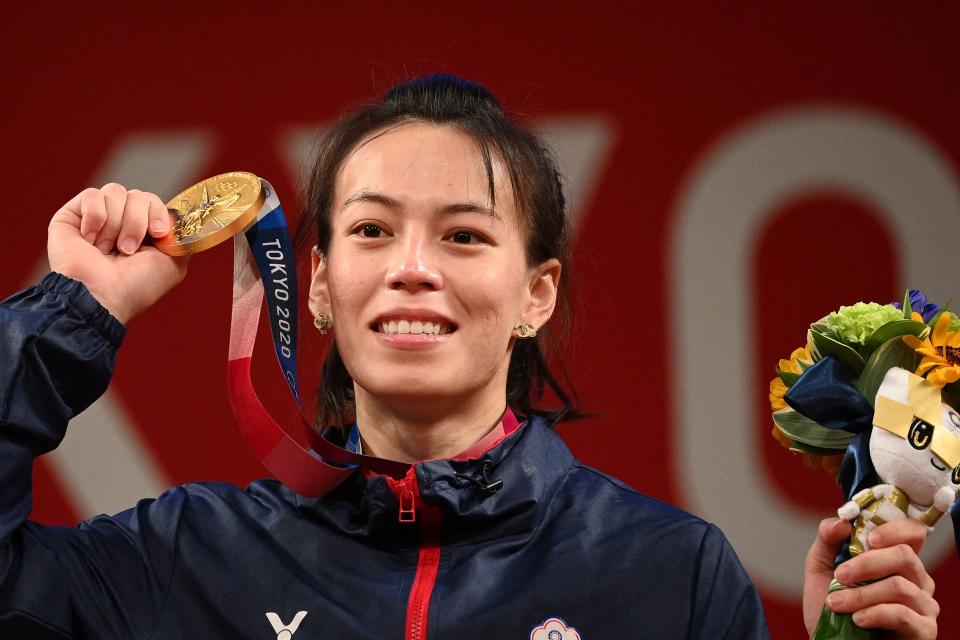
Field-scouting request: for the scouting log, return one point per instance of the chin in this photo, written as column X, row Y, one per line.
column 405, row 384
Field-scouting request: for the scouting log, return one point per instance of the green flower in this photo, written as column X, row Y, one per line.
column 855, row 324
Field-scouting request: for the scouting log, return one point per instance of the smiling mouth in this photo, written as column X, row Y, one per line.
column 414, row 327
column 936, row 466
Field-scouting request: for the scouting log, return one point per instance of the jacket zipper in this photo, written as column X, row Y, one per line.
column 407, row 491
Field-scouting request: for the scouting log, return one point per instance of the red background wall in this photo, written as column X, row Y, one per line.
column 670, row 82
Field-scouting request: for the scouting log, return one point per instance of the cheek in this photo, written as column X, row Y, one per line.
column 351, row 283
column 494, row 295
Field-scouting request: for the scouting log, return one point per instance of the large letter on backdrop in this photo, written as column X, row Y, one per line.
column 731, row 193
column 103, row 465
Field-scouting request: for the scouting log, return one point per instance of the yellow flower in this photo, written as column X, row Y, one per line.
column 777, row 391
column 792, row 365
column 941, row 353
column 777, row 387
column 830, row 464
column 781, row 437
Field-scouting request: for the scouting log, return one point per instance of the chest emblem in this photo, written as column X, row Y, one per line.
column 286, row 631
column 554, row 629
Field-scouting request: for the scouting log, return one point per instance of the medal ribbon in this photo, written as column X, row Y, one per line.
column 264, row 267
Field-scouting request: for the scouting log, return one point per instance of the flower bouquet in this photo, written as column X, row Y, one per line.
column 871, row 398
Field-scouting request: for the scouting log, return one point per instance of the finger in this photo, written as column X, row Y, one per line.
column 92, row 211
column 907, row 531
column 895, row 589
column 115, row 197
column 133, row 225
column 905, row 621
column 880, row 563
column 830, row 535
column 159, row 216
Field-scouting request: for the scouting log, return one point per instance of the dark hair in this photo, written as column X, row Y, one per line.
column 449, row 101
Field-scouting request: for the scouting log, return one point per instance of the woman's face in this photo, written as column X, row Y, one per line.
column 424, row 277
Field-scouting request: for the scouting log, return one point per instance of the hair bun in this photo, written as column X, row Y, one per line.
column 441, row 97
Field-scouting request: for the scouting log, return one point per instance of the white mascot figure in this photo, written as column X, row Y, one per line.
column 915, row 449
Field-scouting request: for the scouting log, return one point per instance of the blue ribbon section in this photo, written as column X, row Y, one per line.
column 825, row 393
column 273, row 252
column 353, row 444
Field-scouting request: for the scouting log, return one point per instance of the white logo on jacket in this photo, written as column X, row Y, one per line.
column 285, row 631
column 554, row 629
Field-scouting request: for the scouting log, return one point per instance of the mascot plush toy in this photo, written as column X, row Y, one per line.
column 915, row 449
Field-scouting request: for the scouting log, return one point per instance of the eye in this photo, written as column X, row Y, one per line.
column 466, row 237
column 368, row 230
column 920, row 434
column 955, row 476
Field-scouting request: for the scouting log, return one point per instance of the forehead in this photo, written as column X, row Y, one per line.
column 417, row 162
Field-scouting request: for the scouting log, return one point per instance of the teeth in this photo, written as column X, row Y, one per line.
column 414, row 327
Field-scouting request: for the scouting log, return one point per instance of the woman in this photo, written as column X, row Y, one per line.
column 440, row 240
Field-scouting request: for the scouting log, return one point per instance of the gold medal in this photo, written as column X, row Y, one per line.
column 211, row 211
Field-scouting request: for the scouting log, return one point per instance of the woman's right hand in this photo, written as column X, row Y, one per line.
column 899, row 593
column 97, row 238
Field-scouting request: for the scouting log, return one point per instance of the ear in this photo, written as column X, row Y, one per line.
column 542, row 293
column 319, row 297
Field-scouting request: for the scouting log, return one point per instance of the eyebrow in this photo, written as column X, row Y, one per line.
column 391, row 203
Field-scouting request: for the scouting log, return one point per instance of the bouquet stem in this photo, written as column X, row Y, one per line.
column 840, row 626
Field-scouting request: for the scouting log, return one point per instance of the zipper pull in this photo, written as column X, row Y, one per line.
column 408, row 510
column 406, row 491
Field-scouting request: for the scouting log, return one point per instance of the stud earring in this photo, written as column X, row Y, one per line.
column 323, row 322
column 524, row 330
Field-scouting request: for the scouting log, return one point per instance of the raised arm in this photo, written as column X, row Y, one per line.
column 58, row 343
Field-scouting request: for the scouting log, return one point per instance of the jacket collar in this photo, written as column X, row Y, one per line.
column 527, row 466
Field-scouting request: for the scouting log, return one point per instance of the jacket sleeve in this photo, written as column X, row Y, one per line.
column 106, row 578
column 725, row 603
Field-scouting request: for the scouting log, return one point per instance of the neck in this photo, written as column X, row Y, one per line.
column 411, row 434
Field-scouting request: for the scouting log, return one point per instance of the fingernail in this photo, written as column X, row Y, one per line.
column 834, row 600
column 859, row 617
column 874, row 539
column 128, row 245
column 158, row 226
column 105, row 246
column 90, row 237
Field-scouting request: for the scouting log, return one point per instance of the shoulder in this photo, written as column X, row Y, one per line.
column 211, row 503
column 257, row 498
column 657, row 547
column 612, row 493
column 614, row 508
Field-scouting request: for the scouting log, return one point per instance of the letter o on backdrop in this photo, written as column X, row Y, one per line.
column 728, row 197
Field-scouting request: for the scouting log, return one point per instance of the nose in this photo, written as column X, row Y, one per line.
column 414, row 268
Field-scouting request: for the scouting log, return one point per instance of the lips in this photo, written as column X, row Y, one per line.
column 413, row 322
column 401, row 327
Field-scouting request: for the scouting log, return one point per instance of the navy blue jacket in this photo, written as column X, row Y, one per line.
column 557, row 540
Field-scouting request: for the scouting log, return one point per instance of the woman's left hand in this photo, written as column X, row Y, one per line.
column 901, row 597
